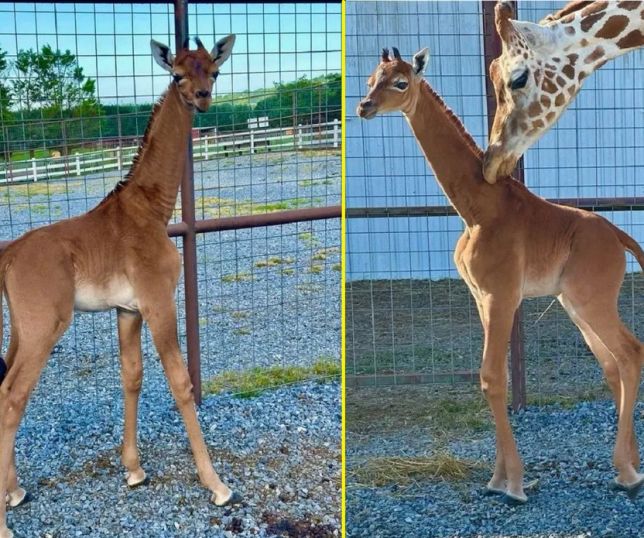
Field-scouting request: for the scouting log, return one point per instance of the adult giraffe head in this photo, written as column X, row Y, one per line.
column 543, row 66
column 394, row 85
column 194, row 71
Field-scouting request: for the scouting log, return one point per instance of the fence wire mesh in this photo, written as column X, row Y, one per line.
column 410, row 318
column 268, row 296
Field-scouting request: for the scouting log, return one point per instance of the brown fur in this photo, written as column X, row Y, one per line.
column 517, row 245
column 118, row 255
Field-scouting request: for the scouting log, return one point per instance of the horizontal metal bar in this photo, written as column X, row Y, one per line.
column 413, row 378
column 250, row 221
column 590, row 204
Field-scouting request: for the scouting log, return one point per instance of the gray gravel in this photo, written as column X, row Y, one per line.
column 568, row 450
column 279, row 450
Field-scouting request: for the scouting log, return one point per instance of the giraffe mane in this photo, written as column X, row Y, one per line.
column 568, row 9
column 139, row 153
column 456, row 121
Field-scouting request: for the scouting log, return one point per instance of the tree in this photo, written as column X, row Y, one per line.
column 5, row 104
column 52, row 79
column 52, row 82
column 302, row 101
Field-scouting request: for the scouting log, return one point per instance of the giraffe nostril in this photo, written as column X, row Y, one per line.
column 203, row 93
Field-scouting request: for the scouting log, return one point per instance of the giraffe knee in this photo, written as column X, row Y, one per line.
column 182, row 390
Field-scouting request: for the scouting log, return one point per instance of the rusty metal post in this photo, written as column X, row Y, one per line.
column 189, row 235
column 492, row 49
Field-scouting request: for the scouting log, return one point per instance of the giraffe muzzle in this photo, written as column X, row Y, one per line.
column 366, row 109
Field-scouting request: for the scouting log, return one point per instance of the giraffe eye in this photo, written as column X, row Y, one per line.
column 177, row 78
column 520, row 81
column 401, row 84
column 215, row 75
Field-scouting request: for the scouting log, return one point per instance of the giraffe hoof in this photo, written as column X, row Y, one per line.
column 514, row 500
column 233, row 498
column 490, row 491
column 136, row 479
column 631, row 490
column 18, row 498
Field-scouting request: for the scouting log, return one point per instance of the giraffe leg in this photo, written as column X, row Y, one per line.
column 609, row 367
column 498, row 316
column 129, row 327
column 162, row 320
column 628, row 353
column 16, row 495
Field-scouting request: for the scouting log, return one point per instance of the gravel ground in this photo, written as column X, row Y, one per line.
column 280, row 450
column 567, row 449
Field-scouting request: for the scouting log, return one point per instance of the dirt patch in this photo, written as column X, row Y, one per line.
column 278, row 525
column 432, row 327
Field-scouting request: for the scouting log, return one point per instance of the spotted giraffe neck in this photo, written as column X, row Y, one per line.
column 598, row 32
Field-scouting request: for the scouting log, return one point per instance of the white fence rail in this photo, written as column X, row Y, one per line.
column 320, row 135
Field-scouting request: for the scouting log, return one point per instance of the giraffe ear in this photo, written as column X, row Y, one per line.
column 419, row 63
column 222, row 49
column 162, row 55
column 538, row 37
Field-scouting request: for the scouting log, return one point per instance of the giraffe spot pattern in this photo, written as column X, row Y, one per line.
column 545, row 101
column 629, row 6
column 534, row 109
column 550, row 116
column 549, row 86
column 633, row 39
column 595, row 55
column 560, row 99
column 614, row 26
column 594, row 7
column 588, row 22
column 570, row 30
column 569, row 71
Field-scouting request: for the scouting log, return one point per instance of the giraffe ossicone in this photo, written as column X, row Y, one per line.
column 553, row 58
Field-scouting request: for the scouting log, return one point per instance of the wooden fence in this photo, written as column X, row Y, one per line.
column 206, row 147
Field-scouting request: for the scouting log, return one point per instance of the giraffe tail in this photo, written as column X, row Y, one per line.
column 630, row 244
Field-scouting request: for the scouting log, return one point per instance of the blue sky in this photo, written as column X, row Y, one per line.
column 275, row 42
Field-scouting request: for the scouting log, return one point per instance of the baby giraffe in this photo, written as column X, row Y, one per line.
column 118, row 255
column 517, row 245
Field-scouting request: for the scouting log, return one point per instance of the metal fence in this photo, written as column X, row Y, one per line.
column 410, row 318
column 258, row 219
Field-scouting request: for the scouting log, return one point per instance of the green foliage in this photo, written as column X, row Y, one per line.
column 252, row 382
column 303, row 101
column 51, row 79
column 58, row 106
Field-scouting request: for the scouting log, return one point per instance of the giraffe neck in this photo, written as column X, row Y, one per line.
column 149, row 192
column 452, row 153
column 602, row 31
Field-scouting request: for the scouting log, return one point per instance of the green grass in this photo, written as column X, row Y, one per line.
column 445, row 413
column 314, row 182
column 273, row 261
column 252, row 382
column 315, row 269
column 42, row 188
column 237, row 277
column 337, row 267
column 239, row 314
column 242, row 331
column 216, row 207
column 324, row 253
column 308, row 237
column 288, row 271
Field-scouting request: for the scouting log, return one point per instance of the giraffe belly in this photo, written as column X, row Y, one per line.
column 117, row 293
